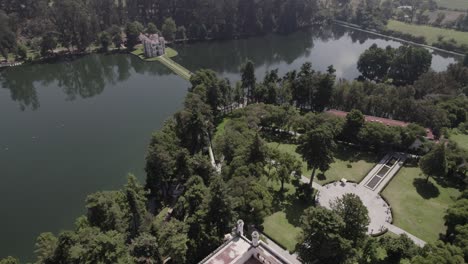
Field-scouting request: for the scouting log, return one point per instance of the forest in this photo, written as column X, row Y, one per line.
column 76, row 25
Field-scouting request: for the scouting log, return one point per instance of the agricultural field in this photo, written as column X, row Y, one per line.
column 430, row 33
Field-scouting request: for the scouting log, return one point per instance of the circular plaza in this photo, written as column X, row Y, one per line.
column 379, row 211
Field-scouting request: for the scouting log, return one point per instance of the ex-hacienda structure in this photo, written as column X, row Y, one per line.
column 153, row 45
column 237, row 249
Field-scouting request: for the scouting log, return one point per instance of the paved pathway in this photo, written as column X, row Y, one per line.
column 379, row 210
column 315, row 185
column 399, row 231
column 368, row 190
column 177, row 68
column 291, row 257
column 383, row 172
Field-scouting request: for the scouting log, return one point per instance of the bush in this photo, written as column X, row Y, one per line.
column 306, row 193
column 21, row 51
column 463, row 128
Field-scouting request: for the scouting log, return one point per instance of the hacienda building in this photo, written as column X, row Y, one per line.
column 153, row 45
column 237, row 249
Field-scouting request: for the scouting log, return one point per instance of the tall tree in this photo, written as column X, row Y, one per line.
column 169, row 29
column 7, row 35
column 144, row 249
column 434, row 163
column 45, row 246
column 9, row 260
column 375, row 62
column 151, row 28
column 285, row 165
column 439, row 253
column 75, row 22
column 356, row 216
column 354, row 123
column 248, row 78
column 317, row 147
column 321, row 239
column 132, row 32
column 409, row 63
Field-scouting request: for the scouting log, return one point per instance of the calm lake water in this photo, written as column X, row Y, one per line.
column 72, row 128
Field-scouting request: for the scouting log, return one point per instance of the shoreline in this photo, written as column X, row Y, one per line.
column 356, row 27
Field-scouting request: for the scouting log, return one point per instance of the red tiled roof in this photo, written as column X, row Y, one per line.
column 385, row 121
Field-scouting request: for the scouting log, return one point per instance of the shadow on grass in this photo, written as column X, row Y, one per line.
column 445, row 182
column 427, row 190
column 353, row 154
column 276, row 136
column 291, row 204
column 321, row 177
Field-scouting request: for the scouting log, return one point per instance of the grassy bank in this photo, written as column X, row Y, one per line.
column 460, row 138
column 166, row 60
column 453, row 4
column 283, row 225
column 349, row 163
column 430, row 33
column 417, row 207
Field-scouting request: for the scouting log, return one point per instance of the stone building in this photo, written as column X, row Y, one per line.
column 153, row 45
column 237, row 249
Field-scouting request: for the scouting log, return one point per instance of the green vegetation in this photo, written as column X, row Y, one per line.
column 350, row 164
column 166, row 60
column 170, row 53
column 459, row 138
column 453, row 4
column 430, row 33
column 283, row 225
column 281, row 230
column 417, row 207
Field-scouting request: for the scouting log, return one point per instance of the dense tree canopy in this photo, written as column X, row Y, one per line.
column 401, row 65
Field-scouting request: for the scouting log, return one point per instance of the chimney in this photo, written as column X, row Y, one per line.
column 255, row 239
column 240, row 227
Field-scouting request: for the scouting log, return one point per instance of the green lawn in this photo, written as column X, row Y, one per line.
column 349, row 163
column 430, row 33
column 278, row 228
column 453, row 4
column 460, row 138
column 220, row 128
column 418, row 207
column 283, row 225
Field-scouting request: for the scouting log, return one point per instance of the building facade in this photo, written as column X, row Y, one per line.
column 237, row 249
column 153, row 45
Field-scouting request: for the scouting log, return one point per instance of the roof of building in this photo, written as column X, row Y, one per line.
column 152, row 38
column 239, row 250
column 385, row 121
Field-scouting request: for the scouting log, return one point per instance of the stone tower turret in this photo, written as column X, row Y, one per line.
column 240, row 227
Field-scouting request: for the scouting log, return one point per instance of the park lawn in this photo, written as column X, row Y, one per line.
column 277, row 227
column 430, row 33
column 283, row 225
column 419, row 208
column 349, row 163
column 453, row 4
column 460, row 138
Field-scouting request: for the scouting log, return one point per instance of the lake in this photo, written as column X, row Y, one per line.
column 72, row 128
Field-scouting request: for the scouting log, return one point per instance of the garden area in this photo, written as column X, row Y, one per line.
column 419, row 207
column 350, row 163
column 283, row 225
column 453, row 4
